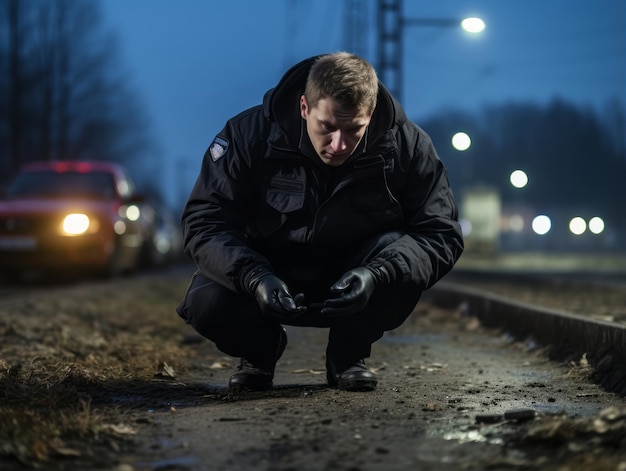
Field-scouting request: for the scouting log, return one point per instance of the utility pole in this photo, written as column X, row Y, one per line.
column 390, row 53
column 15, row 74
column 391, row 29
column 357, row 27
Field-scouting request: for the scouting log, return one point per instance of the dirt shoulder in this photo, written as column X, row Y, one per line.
column 106, row 376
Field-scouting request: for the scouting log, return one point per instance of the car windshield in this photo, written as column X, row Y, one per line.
column 97, row 185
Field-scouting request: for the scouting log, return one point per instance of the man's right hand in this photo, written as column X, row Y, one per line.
column 274, row 299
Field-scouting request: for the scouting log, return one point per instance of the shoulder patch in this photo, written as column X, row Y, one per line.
column 218, row 148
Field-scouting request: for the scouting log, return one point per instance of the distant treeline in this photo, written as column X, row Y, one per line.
column 574, row 157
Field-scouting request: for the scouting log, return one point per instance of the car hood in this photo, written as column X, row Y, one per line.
column 39, row 205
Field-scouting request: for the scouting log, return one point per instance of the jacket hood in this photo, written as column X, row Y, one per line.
column 281, row 105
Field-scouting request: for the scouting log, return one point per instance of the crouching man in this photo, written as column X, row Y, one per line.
column 324, row 207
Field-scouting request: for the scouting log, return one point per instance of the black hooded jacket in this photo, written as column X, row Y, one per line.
column 263, row 188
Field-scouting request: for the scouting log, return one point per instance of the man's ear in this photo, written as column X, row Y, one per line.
column 304, row 107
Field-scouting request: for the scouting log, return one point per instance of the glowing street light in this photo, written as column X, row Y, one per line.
column 518, row 178
column 473, row 25
column 596, row 225
column 461, row 141
column 541, row 224
column 577, row 225
column 391, row 31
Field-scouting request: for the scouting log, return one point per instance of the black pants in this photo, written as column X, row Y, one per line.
column 234, row 322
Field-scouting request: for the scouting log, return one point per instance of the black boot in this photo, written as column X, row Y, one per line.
column 356, row 376
column 257, row 375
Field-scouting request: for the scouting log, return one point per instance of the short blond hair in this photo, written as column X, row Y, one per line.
column 344, row 77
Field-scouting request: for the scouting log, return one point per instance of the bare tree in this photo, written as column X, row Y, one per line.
column 68, row 97
column 14, row 80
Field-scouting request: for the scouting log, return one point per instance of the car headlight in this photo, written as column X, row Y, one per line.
column 130, row 212
column 133, row 213
column 75, row 224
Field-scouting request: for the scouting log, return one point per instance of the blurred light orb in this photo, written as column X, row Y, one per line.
column 123, row 187
column 541, row 224
column 596, row 225
column 461, row 141
column 473, row 25
column 577, row 225
column 163, row 245
column 75, row 224
column 516, row 223
column 132, row 212
column 518, row 178
column 119, row 227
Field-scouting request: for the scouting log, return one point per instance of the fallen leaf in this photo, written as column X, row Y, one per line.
column 381, row 367
column 434, row 367
column 120, row 429
column 308, row 371
column 584, row 362
column 65, row 451
column 168, row 370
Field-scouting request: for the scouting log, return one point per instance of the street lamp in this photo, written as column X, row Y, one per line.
column 473, row 25
column 461, row 141
column 577, row 225
column 596, row 225
column 542, row 224
column 391, row 26
column 518, row 178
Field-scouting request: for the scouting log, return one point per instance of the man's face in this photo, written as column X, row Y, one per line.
column 334, row 132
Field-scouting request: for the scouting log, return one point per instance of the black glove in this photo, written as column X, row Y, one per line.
column 354, row 290
column 274, row 299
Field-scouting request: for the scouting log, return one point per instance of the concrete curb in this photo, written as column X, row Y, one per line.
column 569, row 336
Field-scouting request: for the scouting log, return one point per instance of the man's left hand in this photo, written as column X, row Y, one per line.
column 353, row 290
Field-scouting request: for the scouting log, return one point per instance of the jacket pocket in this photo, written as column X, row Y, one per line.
column 284, row 196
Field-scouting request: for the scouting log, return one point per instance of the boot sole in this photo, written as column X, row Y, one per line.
column 357, row 385
column 248, row 388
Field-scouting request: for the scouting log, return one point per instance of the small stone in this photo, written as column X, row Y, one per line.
column 488, row 418
column 519, row 414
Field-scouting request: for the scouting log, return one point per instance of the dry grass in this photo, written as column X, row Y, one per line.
column 63, row 347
